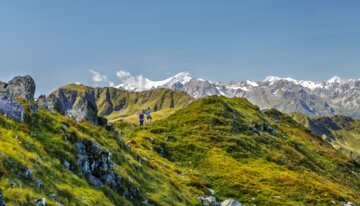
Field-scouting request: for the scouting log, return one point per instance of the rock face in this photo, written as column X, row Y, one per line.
column 23, row 87
column 11, row 108
column 97, row 167
column 81, row 107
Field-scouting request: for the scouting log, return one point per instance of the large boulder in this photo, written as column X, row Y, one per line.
column 11, row 108
column 22, row 86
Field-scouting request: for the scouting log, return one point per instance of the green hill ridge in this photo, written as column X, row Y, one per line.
column 215, row 147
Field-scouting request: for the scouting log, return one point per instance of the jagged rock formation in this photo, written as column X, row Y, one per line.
column 97, row 167
column 71, row 104
column 23, row 87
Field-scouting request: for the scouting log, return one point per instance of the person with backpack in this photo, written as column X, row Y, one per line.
column 141, row 118
column 148, row 114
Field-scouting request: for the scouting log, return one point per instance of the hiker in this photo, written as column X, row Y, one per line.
column 141, row 118
column 148, row 114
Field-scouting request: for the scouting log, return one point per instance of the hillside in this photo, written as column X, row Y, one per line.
column 116, row 104
column 215, row 149
column 48, row 155
column 340, row 131
column 257, row 158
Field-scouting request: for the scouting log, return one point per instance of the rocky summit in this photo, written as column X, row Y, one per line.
column 211, row 151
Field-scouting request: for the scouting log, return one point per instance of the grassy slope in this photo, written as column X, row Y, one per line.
column 212, row 143
column 131, row 102
column 342, row 132
column 39, row 144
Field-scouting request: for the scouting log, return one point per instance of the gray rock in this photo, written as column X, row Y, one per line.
column 110, row 180
column 349, row 204
column 39, row 184
column 231, row 202
column 33, row 108
column 27, row 173
column 42, row 101
column 22, row 86
column 11, row 108
column 81, row 107
column 67, row 164
column 52, row 196
column 209, row 201
column 96, row 182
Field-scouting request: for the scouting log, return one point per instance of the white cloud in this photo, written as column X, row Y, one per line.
column 97, row 77
column 138, row 82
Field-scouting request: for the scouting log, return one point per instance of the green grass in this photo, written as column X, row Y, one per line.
column 208, row 144
column 212, row 139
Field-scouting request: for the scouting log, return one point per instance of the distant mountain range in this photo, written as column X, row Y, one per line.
column 312, row 98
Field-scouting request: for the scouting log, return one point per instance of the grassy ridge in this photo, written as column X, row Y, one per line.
column 45, row 140
column 214, row 139
column 116, row 104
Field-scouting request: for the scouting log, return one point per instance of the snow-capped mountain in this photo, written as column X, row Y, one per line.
column 313, row 98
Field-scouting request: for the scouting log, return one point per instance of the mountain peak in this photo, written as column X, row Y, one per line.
column 335, row 79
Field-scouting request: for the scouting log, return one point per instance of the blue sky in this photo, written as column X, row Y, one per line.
column 60, row 42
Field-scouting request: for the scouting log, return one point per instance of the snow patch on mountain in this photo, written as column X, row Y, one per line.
column 140, row 83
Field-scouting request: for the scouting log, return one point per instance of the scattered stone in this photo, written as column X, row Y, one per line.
column 349, row 204
column 231, row 202
column 27, row 173
column 52, row 196
column 145, row 202
column 39, row 184
column 209, row 201
column 257, row 128
column 33, row 108
column 212, row 192
column 67, row 164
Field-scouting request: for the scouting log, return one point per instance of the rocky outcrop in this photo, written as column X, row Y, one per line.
column 11, row 108
column 257, row 128
column 20, row 86
column 81, row 107
column 96, row 165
